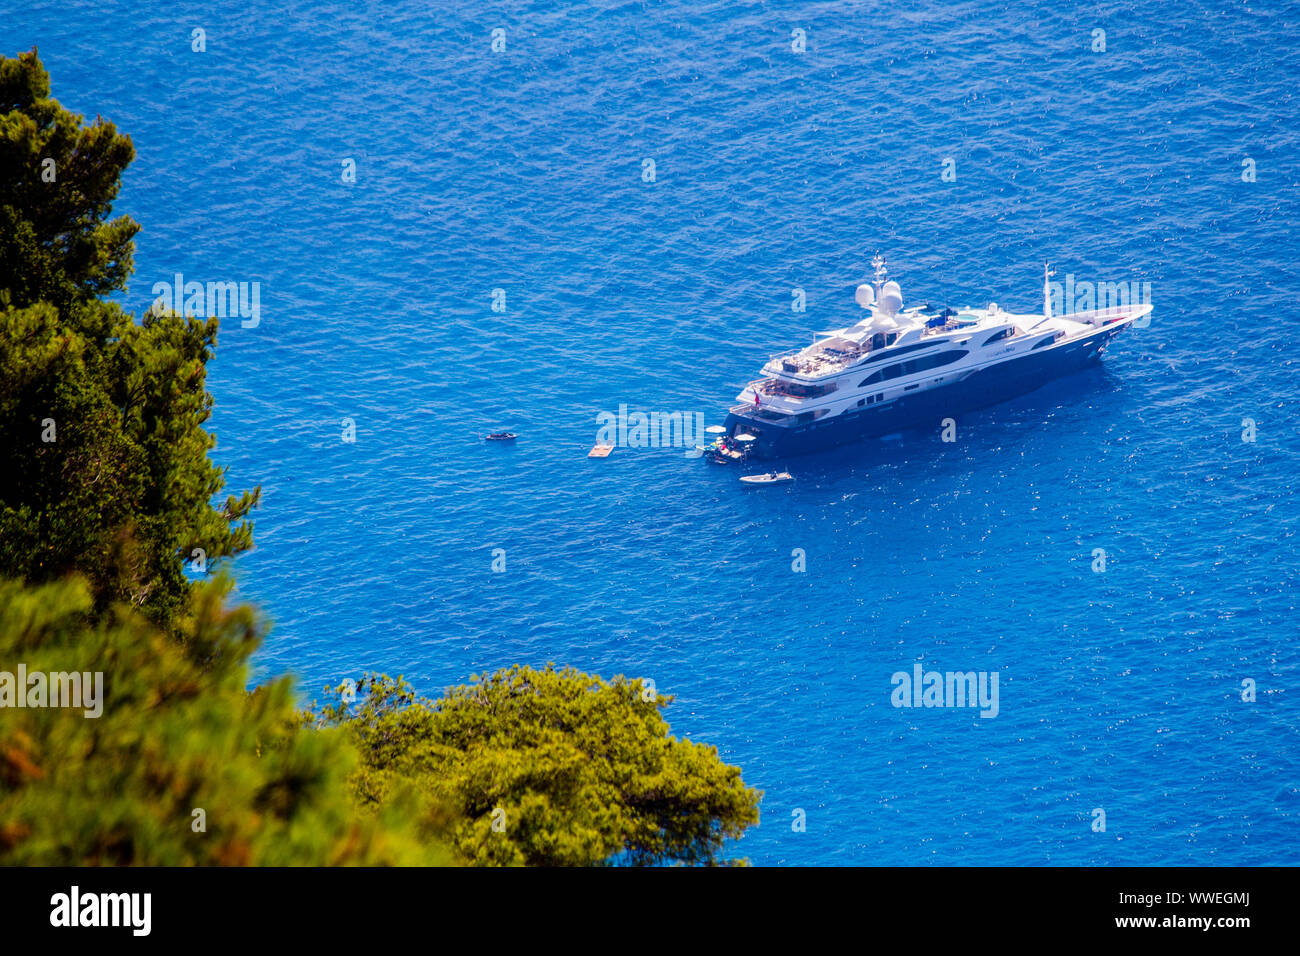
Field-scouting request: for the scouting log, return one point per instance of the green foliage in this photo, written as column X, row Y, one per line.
column 122, row 493
column 57, row 244
column 173, row 737
column 573, row 770
column 105, row 487
column 106, row 470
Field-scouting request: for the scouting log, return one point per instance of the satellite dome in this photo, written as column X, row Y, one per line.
column 891, row 297
column 865, row 296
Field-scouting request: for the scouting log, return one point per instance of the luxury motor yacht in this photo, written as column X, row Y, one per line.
column 903, row 368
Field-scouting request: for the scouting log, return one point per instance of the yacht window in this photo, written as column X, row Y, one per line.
column 810, row 416
column 922, row 363
column 902, row 350
column 999, row 336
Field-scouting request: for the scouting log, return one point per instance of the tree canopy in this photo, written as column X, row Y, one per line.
column 183, row 766
column 101, row 418
column 105, row 489
column 549, row 767
column 57, row 243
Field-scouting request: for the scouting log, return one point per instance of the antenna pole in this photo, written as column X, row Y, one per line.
column 878, row 263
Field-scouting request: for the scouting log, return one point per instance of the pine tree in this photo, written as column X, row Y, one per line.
column 548, row 767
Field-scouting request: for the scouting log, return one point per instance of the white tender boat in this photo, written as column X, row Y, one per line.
column 771, row 478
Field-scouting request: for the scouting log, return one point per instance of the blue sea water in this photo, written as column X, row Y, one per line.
column 522, row 170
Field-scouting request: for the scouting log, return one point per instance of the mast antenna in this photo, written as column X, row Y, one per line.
column 878, row 263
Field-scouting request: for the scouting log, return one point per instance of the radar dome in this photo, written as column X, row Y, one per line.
column 865, row 296
column 891, row 297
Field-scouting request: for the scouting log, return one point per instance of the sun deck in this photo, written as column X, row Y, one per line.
column 828, row 355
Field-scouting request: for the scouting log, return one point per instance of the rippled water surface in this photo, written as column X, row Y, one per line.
column 523, row 171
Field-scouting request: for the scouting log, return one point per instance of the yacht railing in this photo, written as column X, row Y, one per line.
column 776, row 362
column 779, row 388
column 765, row 415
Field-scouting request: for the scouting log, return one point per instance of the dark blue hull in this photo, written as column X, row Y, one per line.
column 926, row 408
